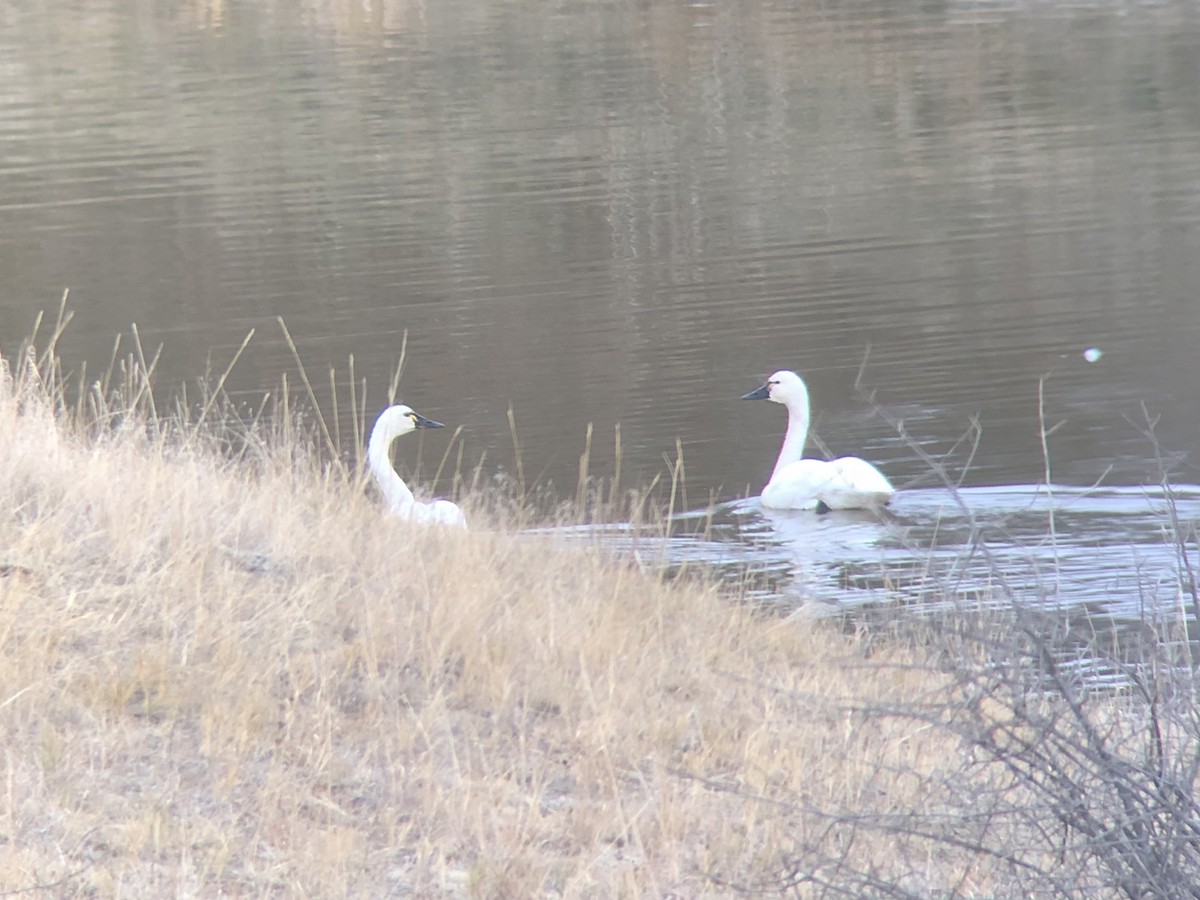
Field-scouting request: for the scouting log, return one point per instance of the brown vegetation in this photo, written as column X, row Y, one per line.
column 233, row 673
column 225, row 671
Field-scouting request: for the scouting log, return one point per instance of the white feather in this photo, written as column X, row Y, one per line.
column 391, row 424
column 798, row 483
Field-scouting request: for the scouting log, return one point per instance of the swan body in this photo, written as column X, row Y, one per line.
column 391, row 424
column 798, row 483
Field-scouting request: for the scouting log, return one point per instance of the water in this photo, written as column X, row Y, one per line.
column 1114, row 549
column 1120, row 554
column 627, row 213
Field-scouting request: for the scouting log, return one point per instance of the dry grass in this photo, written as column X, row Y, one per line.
column 236, row 676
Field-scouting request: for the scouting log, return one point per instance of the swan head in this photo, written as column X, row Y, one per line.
column 400, row 419
column 784, row 387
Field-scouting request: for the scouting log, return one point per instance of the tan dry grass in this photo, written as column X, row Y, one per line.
column 242, row 678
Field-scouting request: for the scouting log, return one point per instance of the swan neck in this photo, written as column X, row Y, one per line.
column 797, row 434
column 394, row 490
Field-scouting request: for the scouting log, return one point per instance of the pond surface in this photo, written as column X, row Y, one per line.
column 1117, row 555
column 626, row 213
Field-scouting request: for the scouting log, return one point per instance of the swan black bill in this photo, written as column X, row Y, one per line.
column 421, row 422
column 763, row 393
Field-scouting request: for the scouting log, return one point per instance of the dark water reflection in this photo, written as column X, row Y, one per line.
column 621, row 212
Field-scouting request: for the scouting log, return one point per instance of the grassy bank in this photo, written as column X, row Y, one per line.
column 225, row 671
column 233, row 673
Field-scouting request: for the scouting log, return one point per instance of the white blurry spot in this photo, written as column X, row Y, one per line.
column 1091, row 354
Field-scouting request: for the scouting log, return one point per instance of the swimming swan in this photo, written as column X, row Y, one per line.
column 797, row 483
column 393, row 422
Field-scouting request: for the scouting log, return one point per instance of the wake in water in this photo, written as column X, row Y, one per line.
column 1111, row 550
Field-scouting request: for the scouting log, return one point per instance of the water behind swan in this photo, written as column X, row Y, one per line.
column 1109, row 551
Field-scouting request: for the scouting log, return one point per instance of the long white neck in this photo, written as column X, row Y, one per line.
column 797, row 434
column 394, row 490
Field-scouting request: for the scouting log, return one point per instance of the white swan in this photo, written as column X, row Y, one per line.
column 393, row 422
column 797, row 483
